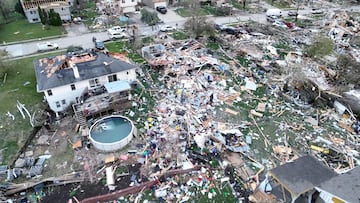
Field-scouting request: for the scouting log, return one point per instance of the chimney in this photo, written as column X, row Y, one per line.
column 75, row 69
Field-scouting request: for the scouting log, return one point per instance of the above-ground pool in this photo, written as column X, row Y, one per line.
column 111, row 133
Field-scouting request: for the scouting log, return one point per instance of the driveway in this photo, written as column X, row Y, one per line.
column 73, row 29
column 171, row 16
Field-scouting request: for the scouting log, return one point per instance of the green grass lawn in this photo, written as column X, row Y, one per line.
column 213, row 46
column 20, row 84
column 23, row 30
column 183, row 12
column 203, row 11
column 125, row 46
column 87, row 14
column 179, row 36
column 279, row 4
column 238, row 5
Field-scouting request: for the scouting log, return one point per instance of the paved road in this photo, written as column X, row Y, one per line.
column 85, row 40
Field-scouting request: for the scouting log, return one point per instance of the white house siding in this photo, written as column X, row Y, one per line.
column 64, row 13
column 129, row 75
column 128, row 6
column 160, row 3
column 65, row 92
column 155, row 3
column 32, row 15
column 128, row 9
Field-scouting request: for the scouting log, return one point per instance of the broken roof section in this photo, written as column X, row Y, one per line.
column 67, row 69
column 345, row 186
column 302, row 175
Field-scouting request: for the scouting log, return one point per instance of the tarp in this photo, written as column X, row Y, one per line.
column 117, row 86
column 123, row 19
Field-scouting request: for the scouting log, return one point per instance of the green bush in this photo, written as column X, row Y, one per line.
column 222, row 11
column 321, row 46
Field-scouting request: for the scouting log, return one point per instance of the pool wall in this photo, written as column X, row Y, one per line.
column 109, row 147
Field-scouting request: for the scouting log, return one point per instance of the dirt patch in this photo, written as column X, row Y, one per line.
column 85, row 190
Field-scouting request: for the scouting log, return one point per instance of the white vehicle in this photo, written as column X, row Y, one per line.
column 274, row 12
column 117, row 35
column 279, row 24
column 117, row 29
column 47, row 46
column 167, row 28
column 317, row 11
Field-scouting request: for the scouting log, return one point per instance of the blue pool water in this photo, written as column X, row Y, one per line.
column 111, row 129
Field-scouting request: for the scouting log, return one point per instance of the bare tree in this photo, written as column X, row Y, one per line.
column 5, row 10
column 197, row 25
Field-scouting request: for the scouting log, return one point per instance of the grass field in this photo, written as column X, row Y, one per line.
column 202, row 11
column 179, row 35
column 125, row 46
column 17, row 79
column 21, row 29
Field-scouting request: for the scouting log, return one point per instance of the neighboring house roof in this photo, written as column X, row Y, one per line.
column 346, row 185
column 60, row 70
column 31, row 4
column 302, row 175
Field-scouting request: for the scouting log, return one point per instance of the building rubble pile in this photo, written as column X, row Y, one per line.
column 195, row 96
column 216, row 115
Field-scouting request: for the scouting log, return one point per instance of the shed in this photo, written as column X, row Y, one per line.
column 342, row 188
column 301, row 176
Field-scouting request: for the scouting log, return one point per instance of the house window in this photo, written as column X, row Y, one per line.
column 112, row 78
column 30, row 12
column 49, row 92
column 94, row 83
column 73, row 87
column 123, row 1
column 63, row 101
column 35, row 19
column 132, row 0
column 57, row 104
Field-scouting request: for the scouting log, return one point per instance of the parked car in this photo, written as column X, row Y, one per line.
column 234, row 31
column 161, row 9
column 99, row 45
column 117, row 35
column 47, row 46
column 117, row 29
column 274, row 12
column 317, row 11
column 271, row 19
column 292, row 13
column 279, row 24
column 167, row 28
column 220, row 27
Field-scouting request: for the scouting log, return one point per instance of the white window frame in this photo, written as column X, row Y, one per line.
column 112, row 78
column 94, row 83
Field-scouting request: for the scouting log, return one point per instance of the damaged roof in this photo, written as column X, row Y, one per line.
column 346, row 185
column 57, row 71
column 302, row 174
